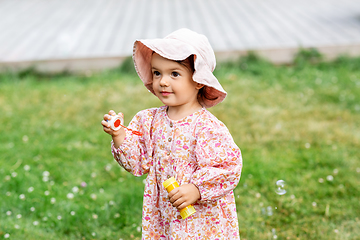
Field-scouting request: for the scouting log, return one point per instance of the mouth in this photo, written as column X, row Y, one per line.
column 165, row 93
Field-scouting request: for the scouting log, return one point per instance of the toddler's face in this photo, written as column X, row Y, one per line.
column 173, row 83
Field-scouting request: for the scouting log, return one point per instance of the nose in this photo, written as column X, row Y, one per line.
column 164, row 82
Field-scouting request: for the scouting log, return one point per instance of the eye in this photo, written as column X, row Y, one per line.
column 175, row 74
column 156, row 73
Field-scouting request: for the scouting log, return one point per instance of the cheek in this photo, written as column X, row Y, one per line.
column 155, row 86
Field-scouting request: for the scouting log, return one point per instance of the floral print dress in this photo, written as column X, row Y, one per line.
column 197, row 149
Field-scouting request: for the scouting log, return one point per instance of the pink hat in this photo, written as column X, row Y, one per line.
column 178, row 46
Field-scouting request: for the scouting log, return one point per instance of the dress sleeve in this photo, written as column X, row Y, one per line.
column 135, row 153
column 219, row 162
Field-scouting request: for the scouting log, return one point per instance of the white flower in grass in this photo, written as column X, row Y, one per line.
column 30, row 189
column 46, row 193
column 45, row 219
column 307, row 145
column 330, row 178
column 8, row 213
column 70, row 195
column 8, row 194
column 46, row 174
column 72, row 213
column 314, row 204
column 16, row 226
column 75, row 189
column 101, row 190
column 93, row 175
column 52, row 183
column 59, row 217
column 336, row 171
column 35, row 223
column 108, row 167
column 6, row 235
column 18, row 216
column 94, row 216
column 14, row 174
column 93, row 234
column 22, row 196
column 138, row 229
column 7, row 178
column 52, row 200
column 358, row 170
column 45, row 179
column 111, row 203
column 321, row 180
column 27, row 168
column 117, row 215
column 25, row 138
column 93, row 196
column 32, row 209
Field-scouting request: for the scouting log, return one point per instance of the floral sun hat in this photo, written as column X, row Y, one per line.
column 178, row 46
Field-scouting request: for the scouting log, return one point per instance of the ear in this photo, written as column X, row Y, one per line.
column 199, row 86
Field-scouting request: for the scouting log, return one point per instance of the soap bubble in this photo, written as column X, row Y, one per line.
column 280, row 187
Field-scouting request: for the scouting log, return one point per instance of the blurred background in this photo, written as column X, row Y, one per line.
column 293, row 108
column 91, row 34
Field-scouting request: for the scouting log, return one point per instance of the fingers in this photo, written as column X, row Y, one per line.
column 112, row 113
column 108, row 116
column 178, row 200
column 184, row 195
column 106, row 124
column 179, row 203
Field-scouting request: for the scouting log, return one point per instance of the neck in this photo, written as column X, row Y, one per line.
column 179, row 112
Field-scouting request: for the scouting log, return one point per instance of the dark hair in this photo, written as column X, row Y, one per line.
column 204, row 92
column 188, row 63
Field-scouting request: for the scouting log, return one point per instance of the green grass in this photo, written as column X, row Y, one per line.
column 298, row 123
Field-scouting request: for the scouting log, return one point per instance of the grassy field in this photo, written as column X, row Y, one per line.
column 298, row 123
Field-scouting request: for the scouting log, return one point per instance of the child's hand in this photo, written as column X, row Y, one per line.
column 119, row 135
column 184, row 195
column 106, row 124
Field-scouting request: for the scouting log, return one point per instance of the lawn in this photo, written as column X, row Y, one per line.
column 298, row 123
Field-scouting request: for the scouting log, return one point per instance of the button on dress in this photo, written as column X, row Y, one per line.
column 197, row 149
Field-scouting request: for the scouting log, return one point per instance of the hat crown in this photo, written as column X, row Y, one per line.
column 199, row 42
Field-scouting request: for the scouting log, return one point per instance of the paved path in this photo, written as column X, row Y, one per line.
column 95, row 34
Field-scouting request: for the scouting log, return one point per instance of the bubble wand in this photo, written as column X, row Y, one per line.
column 116, row 123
